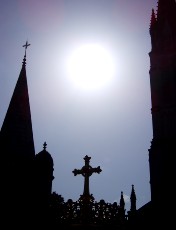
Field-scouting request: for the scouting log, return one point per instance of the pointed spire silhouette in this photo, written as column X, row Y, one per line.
column 16, row 134
column 122, row 202
column 153, row 19
column 133, row 199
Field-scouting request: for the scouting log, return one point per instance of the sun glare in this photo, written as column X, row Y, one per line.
column 90, row 66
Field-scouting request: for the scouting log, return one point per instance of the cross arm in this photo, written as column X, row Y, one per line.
column 97, row 170
column 76, row 172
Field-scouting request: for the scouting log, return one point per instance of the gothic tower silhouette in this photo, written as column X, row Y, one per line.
column 22, row 171
column 163, row 99
column 17, row 146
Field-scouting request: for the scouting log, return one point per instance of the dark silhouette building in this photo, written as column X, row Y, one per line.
column 27, row 199
column 26, row 177
column 163, row 98
column 163, row 101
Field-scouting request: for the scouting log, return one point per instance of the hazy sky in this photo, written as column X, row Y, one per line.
column 113, row 124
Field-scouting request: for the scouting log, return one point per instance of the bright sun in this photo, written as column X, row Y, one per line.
column 90, row 66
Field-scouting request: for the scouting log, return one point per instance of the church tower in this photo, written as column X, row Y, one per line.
column 26, row 177
column 17, row 153
column 163, row 100
column 16, row 132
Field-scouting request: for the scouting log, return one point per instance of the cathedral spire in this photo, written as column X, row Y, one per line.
column 16, row 134
column 133, row 199
column 153, row 20
column 122, row 202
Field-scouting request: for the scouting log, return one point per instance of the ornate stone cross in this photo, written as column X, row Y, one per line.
column 86, row 171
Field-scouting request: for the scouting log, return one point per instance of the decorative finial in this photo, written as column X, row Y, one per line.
column 44, row 146
column 87, row 158
column 133, row 194
column 122, row 202
column 26, row 46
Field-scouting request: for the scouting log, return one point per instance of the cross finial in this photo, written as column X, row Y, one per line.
column 44, row 145
column 26, row 46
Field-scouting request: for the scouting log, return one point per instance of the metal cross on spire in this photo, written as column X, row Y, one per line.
column 26, row 46
column 86, row 171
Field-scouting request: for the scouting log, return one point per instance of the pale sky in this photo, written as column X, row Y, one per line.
column 111, row 124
